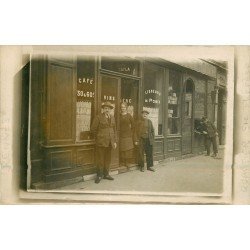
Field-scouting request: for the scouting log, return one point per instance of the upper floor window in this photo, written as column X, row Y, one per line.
column 124, row 65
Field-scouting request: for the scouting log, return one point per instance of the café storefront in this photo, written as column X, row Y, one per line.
column 66, row 94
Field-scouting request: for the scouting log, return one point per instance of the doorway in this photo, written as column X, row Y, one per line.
column 119, row 90
column 187, row 117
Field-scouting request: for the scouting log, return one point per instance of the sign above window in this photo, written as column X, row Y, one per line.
column 121, row 65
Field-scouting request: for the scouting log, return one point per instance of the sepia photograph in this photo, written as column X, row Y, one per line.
column 127, row 123
column 124, row 125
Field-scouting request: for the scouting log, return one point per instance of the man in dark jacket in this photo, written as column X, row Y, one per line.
column 210, row 133
column 104, row 130
column 145, row 139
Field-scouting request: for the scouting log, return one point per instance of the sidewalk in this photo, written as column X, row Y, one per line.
column 201, row 174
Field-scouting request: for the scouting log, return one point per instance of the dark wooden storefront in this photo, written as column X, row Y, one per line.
column 66, row 94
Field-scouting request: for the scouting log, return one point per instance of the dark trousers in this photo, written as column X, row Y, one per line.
column 208, row 142
column 145, row 146
column 103, row 159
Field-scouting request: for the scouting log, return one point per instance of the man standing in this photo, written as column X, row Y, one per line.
column 210, row 133
column 104, row 130
column 145, row 139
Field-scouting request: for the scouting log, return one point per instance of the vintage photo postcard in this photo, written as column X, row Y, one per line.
column 117, row 124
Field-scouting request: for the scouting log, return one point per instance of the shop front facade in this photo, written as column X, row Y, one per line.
column 67, row 93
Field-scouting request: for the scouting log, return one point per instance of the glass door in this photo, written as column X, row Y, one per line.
column 119, row 90
column 129, row 95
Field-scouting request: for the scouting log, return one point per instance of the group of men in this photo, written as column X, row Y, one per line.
column 104, row 130
column 210, row 133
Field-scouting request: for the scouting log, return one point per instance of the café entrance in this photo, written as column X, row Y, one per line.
column 117, row 90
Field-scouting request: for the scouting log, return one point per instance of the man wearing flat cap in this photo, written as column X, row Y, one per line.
column 145, row 140
column 104, row 130
column 210, row 134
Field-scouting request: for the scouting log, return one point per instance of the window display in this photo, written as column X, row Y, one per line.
column 85, row 96
column 174, row 102
column 83, row 120
column 153, row 82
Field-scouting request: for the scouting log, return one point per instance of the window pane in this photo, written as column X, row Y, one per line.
column 174, row 102
column 129, row 94
column 109, row 93
column 153, row 81
column 122, row 65
column 85, row 96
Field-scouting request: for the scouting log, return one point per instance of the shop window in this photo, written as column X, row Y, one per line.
column 121, row 65
column 153, row 82
column 174, row 103
column 85, row 96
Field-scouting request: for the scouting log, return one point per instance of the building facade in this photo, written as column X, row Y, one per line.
column 67, row 92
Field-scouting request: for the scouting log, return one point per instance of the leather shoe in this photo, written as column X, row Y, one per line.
column 108, row 177
column 151, row 169
column 97, row 180
column 141, row 169
column 215, row 156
